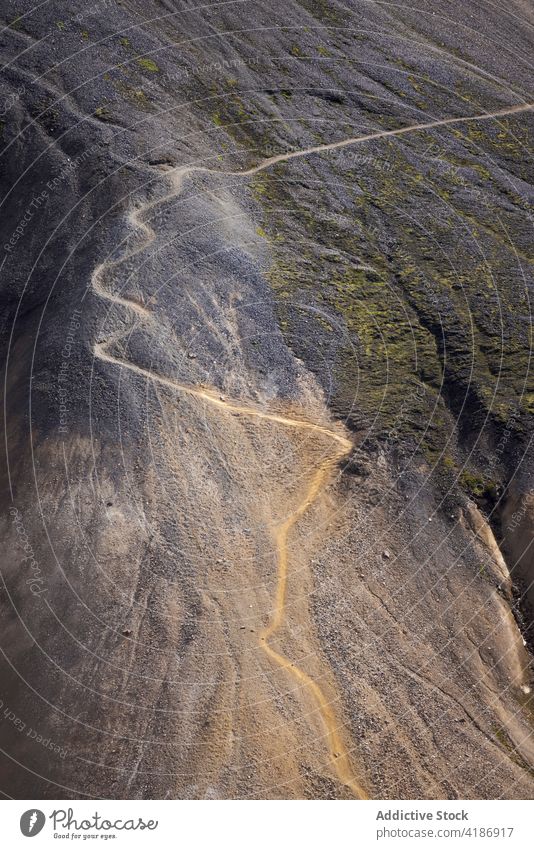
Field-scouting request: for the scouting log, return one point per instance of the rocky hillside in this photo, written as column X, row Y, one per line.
column 267, row 488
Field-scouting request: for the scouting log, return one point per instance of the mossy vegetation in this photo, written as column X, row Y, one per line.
column 322, row 10
column 102, row 113
column 147, row 65
column 401, row 277
column 478, row 486
column 410, row 318
column 134, row 95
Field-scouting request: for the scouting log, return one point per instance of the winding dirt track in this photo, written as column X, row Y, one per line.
column 338, row 752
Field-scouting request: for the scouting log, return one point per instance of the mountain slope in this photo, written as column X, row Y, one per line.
column 268, row 407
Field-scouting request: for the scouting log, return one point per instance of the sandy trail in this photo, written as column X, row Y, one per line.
column 228, row 406
column 322, row 475
column 338, row 752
